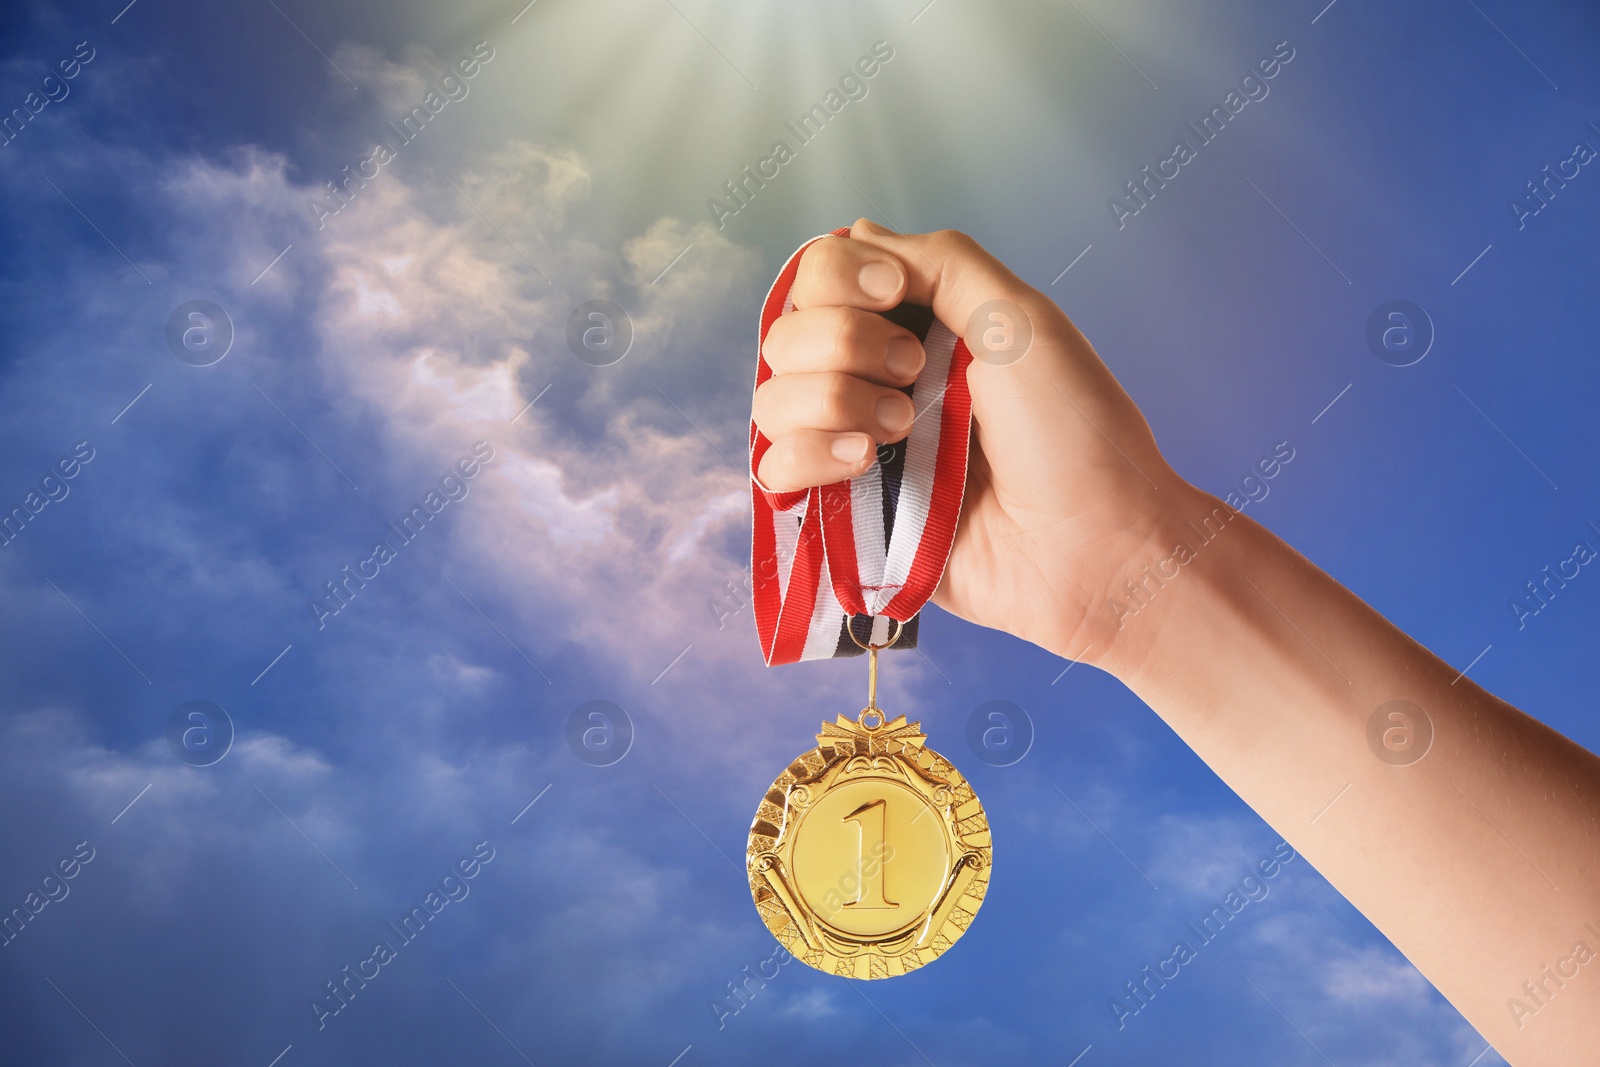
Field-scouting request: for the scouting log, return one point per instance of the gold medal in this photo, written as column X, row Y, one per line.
column 870, row 854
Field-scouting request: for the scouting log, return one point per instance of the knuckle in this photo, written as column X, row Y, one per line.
column 849, row 332
column 805, row 277
column 773, row 471
column 835, row 399
column 761, row 407
column 785, row 468
column 773, row 345
column 780, row 456
column 820, row 260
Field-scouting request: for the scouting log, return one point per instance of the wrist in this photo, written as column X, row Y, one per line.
column 1168, row 550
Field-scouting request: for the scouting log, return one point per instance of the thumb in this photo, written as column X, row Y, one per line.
column 1017, row 402
column 965, row 285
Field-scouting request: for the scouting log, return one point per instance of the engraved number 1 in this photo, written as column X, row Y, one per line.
column 870, row 896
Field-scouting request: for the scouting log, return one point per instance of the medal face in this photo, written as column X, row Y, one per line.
column 870, row 854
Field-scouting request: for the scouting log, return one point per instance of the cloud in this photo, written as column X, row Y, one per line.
column 1206, row 856
column 434, row 322
column 426, row 325
column 1374, row 975
column 810, row 1005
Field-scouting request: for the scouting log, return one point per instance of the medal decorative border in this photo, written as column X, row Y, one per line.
column 845, row 751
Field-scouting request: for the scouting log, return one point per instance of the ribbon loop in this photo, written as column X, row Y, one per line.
column 831, row 566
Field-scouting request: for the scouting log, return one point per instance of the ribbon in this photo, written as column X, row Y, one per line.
column 846, row 558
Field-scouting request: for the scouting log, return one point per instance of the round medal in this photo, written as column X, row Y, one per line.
column 870, row 854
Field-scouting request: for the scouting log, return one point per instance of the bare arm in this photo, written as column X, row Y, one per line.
column 1480, row 860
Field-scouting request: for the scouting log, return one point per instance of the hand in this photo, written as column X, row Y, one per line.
column 1065, row 483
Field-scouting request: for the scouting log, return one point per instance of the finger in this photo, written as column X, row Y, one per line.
column 807, row 458
column 827, row 400
column 859, row 343
column 840, row 272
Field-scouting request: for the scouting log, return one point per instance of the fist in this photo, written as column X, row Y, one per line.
column 838, row 368
column 1067, row 493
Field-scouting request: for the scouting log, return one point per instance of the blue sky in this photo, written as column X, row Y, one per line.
column 376, row 752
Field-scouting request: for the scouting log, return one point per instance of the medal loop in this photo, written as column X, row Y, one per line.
column 872, row 711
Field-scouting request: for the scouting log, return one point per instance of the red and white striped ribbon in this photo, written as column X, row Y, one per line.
column 850, row 556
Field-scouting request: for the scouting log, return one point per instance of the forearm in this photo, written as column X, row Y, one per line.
column 1480, row 861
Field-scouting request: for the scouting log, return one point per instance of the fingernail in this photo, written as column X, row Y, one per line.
column 895, row 412
column 879, row 280
column 850, row 448
column 904, row 357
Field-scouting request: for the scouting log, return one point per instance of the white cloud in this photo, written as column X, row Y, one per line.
column 1375, row 975
column 810, row 1005
column 1206, row 856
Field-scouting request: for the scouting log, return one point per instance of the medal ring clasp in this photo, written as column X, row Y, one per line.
column 872, row 711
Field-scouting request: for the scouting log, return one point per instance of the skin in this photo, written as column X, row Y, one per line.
column 1480, row 861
